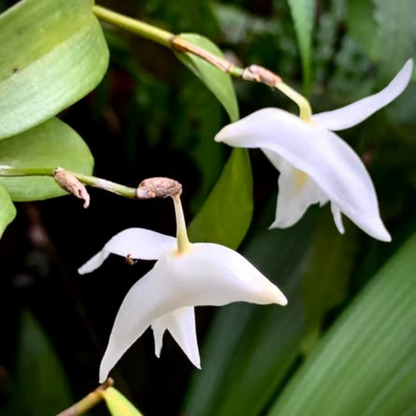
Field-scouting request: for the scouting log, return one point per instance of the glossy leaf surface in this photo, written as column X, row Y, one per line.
column 48, row 145
column 53, row 53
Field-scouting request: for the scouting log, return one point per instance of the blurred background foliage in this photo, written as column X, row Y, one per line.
column 345, row 343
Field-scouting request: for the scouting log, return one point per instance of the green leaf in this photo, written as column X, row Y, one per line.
column 250, row 348
column 217, row 81
column 303, row 14
column 48, row 145
column 40, row 387
column 53, row 53
column 363, row 27
column 396, row 33
column 226, row 214
column 117, row 404
column 7, row 210
column 365, row 364
column 325, row 283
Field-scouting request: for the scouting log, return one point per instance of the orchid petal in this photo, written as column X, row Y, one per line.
column 355, row 113
column 94, row 262
column 181, row 325
column 229, row 278
column 159, row 329
column 336, row 213
column 277, row 161
column 137, row 243
column 328, row 160
column 140, row 243
column 209, row 274
column 141, row 306
column 297, row 192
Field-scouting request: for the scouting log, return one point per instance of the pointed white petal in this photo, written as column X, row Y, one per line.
column 336, row 213
column 94, row 263
column 277, row 161
column 181, row 324
column 215, row 275
column 355, row 113
column 209, row 274
column 143, row 304
column 297, row 192
column 139, row 243
column 158, row 331
column 328, row 160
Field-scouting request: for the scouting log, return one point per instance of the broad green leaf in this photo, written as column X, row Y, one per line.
column 117, row 404
column 396, row 33
column 48, row 145
column 226, row 214
column 250, row 348
column 363, row 27
column 303, row 14
column 40, row 387
column 325, row 283
column 7, row 210
column 365, row 364
column 217, row 81
column 53, row 53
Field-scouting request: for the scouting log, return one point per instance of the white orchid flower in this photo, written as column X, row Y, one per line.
column 185, row 275
column 316, row 165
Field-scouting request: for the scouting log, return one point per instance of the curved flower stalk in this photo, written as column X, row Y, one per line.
column 316, row 165
column 185, row 275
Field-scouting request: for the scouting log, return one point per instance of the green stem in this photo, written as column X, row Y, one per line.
column 305, row 110
column 165, row 38
column 11, row 171
column 177, row 43
column 181, row 234
column 109, row 186
column 182, row 45
column 135, row 26
column 87, row 402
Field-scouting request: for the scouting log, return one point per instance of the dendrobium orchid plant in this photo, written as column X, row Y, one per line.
column 185, row 275
column 316, row 165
